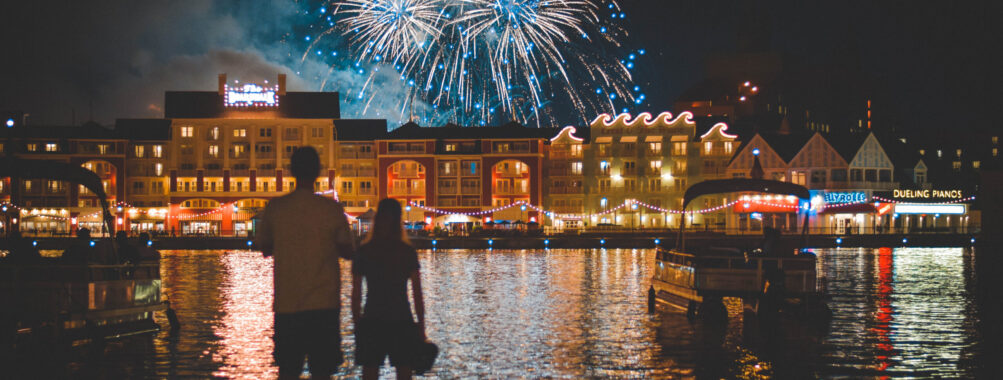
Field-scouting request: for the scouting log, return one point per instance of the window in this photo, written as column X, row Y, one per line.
column 240, row 132
column 728, row 146
column 102, row 148
column 447, row 168
column 920, row 177
column 158, row 169
column 239, row 150
column 158, row 151
column 604, row 185
column 680, row 184
column 656, row 166
column 27, row 186
column 214, row 151
column 32, row 147
column 604, row 167
column 450, row 147
column 156, row 187
column 996, row 140
column 265, row 132
column 655, row 147
column 317, row 132
column 139, row 151
column 708, row 147
column 365, row 187
column 856, row 175
column 603, row 150
column 576, row 150
column 51, row 147
column 996, row 152
column 838, row 175
column 214, row 133
column 365, row 148
column 346, row 187
column 800, row 178
column 818, row 176
column 630, row 184
column 655, row 184
column 137, row 187
column 940, row 153
column 958, row 152
column 263, row 148
column 679, row 148
column 502, row 147
column 871, row 175
column 187, row 131
column 469, row 168
column 956, row 165
column 680, row 167
column 55, row 186
column 603, row 202
column 629, row 167
column 576, row 168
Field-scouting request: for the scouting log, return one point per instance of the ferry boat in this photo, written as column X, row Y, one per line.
column 698, row 278
column 46, row 300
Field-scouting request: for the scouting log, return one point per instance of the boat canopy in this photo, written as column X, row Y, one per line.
column 45, row 169
column 61, row 171
column 719, row 186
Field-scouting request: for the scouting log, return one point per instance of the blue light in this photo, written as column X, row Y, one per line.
column 149, row 243
column 523, row 208
column 599, row 91
column 10, row 123
column 250, row 243
column 658, row 241
column 641, row 52
column 34, row 243
column 611, row 6
column 323, row 10
column 904, row 240
column 839, row 240
column 602, row 30
column 93, row 243
column 435, row 242
column 491, row 241
column 612, row 96
column 4, row 208
column 755, row 152
column 602, row 241
column 630, row 65
column 624, row 110
column 307, row 38
column 631, row 57
column 547, row 241
column 973, row 240
column 637, row 88
column 623, row 15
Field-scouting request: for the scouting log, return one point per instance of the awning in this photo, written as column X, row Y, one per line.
column 652, row 138
column 853, row 208
column 628, row 139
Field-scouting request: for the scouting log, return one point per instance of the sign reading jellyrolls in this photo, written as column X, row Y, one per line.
column 907, row 194
column 844, row 197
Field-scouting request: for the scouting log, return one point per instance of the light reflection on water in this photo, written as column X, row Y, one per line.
column 578, row 313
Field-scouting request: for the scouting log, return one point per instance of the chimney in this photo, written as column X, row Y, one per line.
column 282, row 84
column 222, row 83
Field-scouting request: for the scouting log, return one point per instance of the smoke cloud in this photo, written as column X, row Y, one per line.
column 103, row 60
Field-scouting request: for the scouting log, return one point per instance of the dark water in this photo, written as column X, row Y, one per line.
column 574, row 314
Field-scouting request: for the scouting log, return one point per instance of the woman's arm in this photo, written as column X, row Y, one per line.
column 419, row 301
column 356, row 296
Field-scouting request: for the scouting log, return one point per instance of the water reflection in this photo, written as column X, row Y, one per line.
column 578, row 313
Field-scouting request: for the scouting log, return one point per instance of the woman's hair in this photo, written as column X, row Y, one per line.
column 387, row 224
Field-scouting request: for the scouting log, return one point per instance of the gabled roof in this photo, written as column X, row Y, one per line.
column 144, row 129
column 412, row 131
column 360, row 129
column 902, row 155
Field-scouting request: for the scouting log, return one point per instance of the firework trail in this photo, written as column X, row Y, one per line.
column 484, row 61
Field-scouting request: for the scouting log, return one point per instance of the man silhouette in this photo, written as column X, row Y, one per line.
column 306, row 233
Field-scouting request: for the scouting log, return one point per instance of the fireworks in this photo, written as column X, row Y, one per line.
column 487, row 61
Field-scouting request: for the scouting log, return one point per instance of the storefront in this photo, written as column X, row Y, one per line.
column 752, row 213
column 929, row 210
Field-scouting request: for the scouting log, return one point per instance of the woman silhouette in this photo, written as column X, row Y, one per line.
column 386, row 328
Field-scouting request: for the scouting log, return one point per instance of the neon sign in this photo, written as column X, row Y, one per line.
column 951, row 194
column 844, row 197
column 251, row 95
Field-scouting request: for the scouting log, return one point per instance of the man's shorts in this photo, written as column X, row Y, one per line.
column 375, row 340
column 314, row 335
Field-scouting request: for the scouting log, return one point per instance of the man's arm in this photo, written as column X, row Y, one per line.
column 343, row 239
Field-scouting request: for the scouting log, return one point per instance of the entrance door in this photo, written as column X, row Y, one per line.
column 843, row 224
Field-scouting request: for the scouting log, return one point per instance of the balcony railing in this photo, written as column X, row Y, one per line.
column 566, row 190
column 367, row 191
column 508, row 191
column 629, row 172
column 407, row 173
column 366, row 172
column 470, row 190
column 398, row 191
column 510, row 173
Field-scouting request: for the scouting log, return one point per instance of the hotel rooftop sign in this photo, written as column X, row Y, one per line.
column 251, row 95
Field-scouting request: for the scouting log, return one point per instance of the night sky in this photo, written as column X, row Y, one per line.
column 931, row 65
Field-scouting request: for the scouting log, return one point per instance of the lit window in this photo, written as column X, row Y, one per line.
column 922, row 152
column 996, row 139
column 240, row 132
column 656, row 165
column 727, row 147
column 956, row 165
column 51, row 147
column 940, row 153
column 214, row 133
column 102, row 148
column 32, row 147
column 139, row 151
column 214, row 150
column 707, row 147
column 158, row 169
column 187, row 131
column 976, row 164
column 996, row 152
column 158, row 151
column 959, row 152
column 576, row 168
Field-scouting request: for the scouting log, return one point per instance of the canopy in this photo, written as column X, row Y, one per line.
column 719, row 186
column 54, row 170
